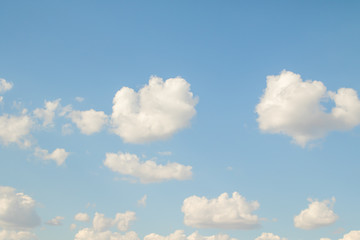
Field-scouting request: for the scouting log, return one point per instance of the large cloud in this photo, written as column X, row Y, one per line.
column 293, row 107
column 269, row 236
column 15, row 129
column 89, row 121
column 17, row 210
column 221, row 212
column 91, row 234
column 148, row 171
column 47, row 114
column 318, row 214
column 20, row 235
column 155, row 112
column 353, row 235
column 59, row 155
column 180, row 235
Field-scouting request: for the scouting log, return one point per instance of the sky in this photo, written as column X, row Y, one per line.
column 179, row 120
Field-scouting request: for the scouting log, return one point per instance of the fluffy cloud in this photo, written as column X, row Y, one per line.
column 82, row 217
column 269, row 236
column 89, row 121
column 121, row 221
column 13, row 235
column 47, row 114
column 155, row 112
column 353, row 235
column 17, row 210
column 180, row 235
column 59, row 155
column 5, row 86
column 55, row 221
column 293, row 107
column 148, row 171
column 318, row 214
column 15, row 129
column 221, row 212
column 91, row 234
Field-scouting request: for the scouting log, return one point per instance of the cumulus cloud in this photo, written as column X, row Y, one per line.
column 59, row 155
column 121, row 221
column 15, row 129
column 91, row 234
column 17, row 210
column 20, row 235
column 148, row 171
column 5, row 86
column 142, row 201
column 180, row 235
column 57, row 221
column 269, row 236
column 318, row 214
column 294, row 107
column 89, row 121
column 353, row 235
column 156, row 111
column 222, row 212
column 82, row 217
column 47, row 114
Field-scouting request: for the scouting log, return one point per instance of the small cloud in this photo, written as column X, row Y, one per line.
column 5, row 86
column 79, row 99
column 82, row 217
column 55, row 221
column 168, row 153
column 142, row 201
column 229, row 168
column 73, row 226
column 59, row 155
column 67, row 129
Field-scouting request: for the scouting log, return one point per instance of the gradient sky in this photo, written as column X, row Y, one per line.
column 255, row 98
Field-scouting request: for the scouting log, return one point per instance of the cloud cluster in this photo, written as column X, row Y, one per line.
column 294, row 107
column 180, row 235
column 59, row 155
column 353, row 235
column 222, row 212
column 318, row 214
column 15, row 129
column 148, row 171
column 269, row 236
column 14, row 235
column 5, row 86
column 90, row 121
column 91, row 234
column 121, row 221
column 155, row 112
column 17, row 210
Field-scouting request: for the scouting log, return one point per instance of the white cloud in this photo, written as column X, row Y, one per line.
column 89, row 121
column 5, row 86
column 79, row 99
column 82, row 217
column 148, row 171
column 221, row 212
column 15, row 129
column 269, row 236
column 156, row 111
column 91, row 234
column 180, row 235
column 293, row 107
column 55, row 221
column 142, row 201
column 47, row 114
column 17, row 210
column 13, row 235
column 168, row 153
column 73, row 226
column 121, row 221
column 1, row 99
column 318, row 214
column 59, row 155
column 325, row 239
column 353, row 235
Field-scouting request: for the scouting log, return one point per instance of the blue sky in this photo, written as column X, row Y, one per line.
column 253, row 97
